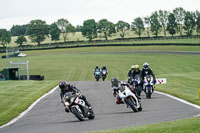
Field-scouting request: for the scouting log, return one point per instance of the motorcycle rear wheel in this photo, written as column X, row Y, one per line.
column 92, row 115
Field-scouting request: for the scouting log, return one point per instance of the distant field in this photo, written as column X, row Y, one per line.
column 129, row 34
column 77, row 64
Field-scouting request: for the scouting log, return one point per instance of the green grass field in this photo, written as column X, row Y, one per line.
column 182, row 73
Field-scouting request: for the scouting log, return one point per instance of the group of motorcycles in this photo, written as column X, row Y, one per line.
column 78, row 107
column 139, row 84
column 100, row 74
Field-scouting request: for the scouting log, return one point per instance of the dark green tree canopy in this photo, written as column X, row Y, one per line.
column 172, row 24
column 189, row 23
column 54, row 31
column 5, row 37
column 20, row 40
column 89, row 29
column 106, row 27
column 38, row 30
column 138, row 26
column 155, row 24
column 122, row 27
column 18, row 30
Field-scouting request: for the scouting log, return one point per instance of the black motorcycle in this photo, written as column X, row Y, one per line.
column 136, row 83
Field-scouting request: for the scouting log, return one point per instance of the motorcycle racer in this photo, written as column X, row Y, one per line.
column 116, row 84
column 66, row 87
column 146, row 70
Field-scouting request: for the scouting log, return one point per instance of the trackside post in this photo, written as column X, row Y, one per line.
column 199, row 93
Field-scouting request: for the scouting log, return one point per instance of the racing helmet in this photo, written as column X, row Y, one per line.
column 146, row 65
column 133, row 66
column 63, row 85
column 114, row 82
column 137, row 67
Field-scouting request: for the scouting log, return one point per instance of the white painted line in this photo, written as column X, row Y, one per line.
column 29, row 108
column 179, row 99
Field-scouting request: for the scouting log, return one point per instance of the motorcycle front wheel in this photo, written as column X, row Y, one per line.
column 131, row 102
column 77, row 114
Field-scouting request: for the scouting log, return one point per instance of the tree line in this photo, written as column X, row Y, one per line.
column 177, row 21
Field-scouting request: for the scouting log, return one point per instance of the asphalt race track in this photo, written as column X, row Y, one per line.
column 48, row 116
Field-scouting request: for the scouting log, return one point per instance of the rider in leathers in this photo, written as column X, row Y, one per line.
column 65, row 88
column 146, row 70
column 116, row 84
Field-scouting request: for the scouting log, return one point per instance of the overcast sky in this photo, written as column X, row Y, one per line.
column 18, row 12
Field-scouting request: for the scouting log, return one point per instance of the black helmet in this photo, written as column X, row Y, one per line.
column 146, row 65
column 114, row 82
column 97, row 66
column 63, row 85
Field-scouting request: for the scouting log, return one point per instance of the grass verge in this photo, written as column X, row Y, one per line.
column 16, row 96
column 180, row 126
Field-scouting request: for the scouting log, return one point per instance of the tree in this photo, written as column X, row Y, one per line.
column 197, row 22
column 122, row 27
column 37, row 30
column 138, row 26
column 5, row 37
column 89, row 29
column 106, row 27
column 65, row 28
column 189, row 23
column 147, row 21
column 172, row 24
column 54, row 31
column 155, row 25
column 163, row 18
column 20, row 40
column 78, row 28
column 18, row 30
column 179, row 14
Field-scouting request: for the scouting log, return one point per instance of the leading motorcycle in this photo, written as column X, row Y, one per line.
column 129, row 98
column 77, row 106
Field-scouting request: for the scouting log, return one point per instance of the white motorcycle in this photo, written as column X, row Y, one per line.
column 148, row 85
column 77, row 106
column 104, row 74
column 129, row 98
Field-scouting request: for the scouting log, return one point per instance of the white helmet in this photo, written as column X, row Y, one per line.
column 146, row 65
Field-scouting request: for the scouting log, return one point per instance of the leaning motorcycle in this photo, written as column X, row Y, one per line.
column 148, row 85
column 77, row 106
column 104, row 74
column 129, row 98
column 97, row 75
